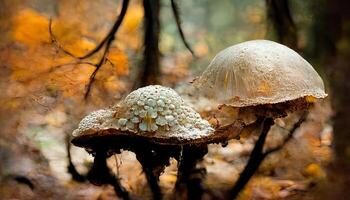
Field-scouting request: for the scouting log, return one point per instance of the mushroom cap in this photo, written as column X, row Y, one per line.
column 259, row 72
column 153, row 112
column 96, row 120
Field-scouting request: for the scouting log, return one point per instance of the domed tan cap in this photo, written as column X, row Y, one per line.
column 259, row 72
column 155, row 112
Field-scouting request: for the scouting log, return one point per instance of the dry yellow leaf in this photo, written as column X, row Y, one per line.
column 120, row 61
column 133, row 18
column 168, row 178
column 112, row 84
column 260, row 188
column 314, row 170
column 30, row 28
column 70, row 37
column 21, row 74
column 310, row 99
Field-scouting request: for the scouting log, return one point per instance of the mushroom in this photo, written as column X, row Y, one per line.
column 259, row 81
column 92, row 126
column 159, row 113
column 260, row 77
column 153, row 122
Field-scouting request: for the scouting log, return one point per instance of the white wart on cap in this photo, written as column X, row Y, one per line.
column 159, row 111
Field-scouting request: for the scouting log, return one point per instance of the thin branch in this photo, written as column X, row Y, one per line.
column 38, row 100
column 289, row 136
column 255, row 159
column 118, row 163
column 54, row 68
column 257, row 156
column 106, row 43
column 91, row 81
column 175, row 10
column 55, row 41
column 110, row 62
column 110, row 36
column 98, row 66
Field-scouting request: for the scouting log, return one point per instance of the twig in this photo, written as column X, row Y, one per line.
column 110, row 37
column 98, row 66
column 289, row 136
column 118, row 163
column 257, row 156
column 175, row 10
column 54, row 68
column 110, row 62
column 55, row 41
column 111, row 33
column 106, row 42
column 255, row 159
column 36, row 99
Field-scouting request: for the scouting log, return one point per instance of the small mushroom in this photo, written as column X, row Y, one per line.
column 153, row 122
column 90, row 127
column 159, row 113
column 260, row 80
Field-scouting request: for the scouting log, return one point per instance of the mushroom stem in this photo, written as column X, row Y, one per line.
column 76, row 176
column 255, row 159
column 100, row 174
column 153, row 179
column 189, row 178
column 153, row 165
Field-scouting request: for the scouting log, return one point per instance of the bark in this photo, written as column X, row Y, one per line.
column 279, row 15
column 149, row 72
column 328, row 31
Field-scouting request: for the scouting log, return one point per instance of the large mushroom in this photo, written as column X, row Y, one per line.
column 259, row 81
column 260, row 72
column 153, row 122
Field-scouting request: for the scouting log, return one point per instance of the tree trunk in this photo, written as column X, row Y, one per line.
column 279, row 15
column 149, row 72
column 328, row 31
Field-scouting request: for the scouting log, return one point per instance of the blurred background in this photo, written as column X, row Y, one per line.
column 45, row 91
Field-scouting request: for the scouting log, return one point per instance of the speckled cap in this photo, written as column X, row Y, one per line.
column 259, row 72
column 151, row 112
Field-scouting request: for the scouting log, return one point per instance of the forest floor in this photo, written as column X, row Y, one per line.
column 32, row 172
